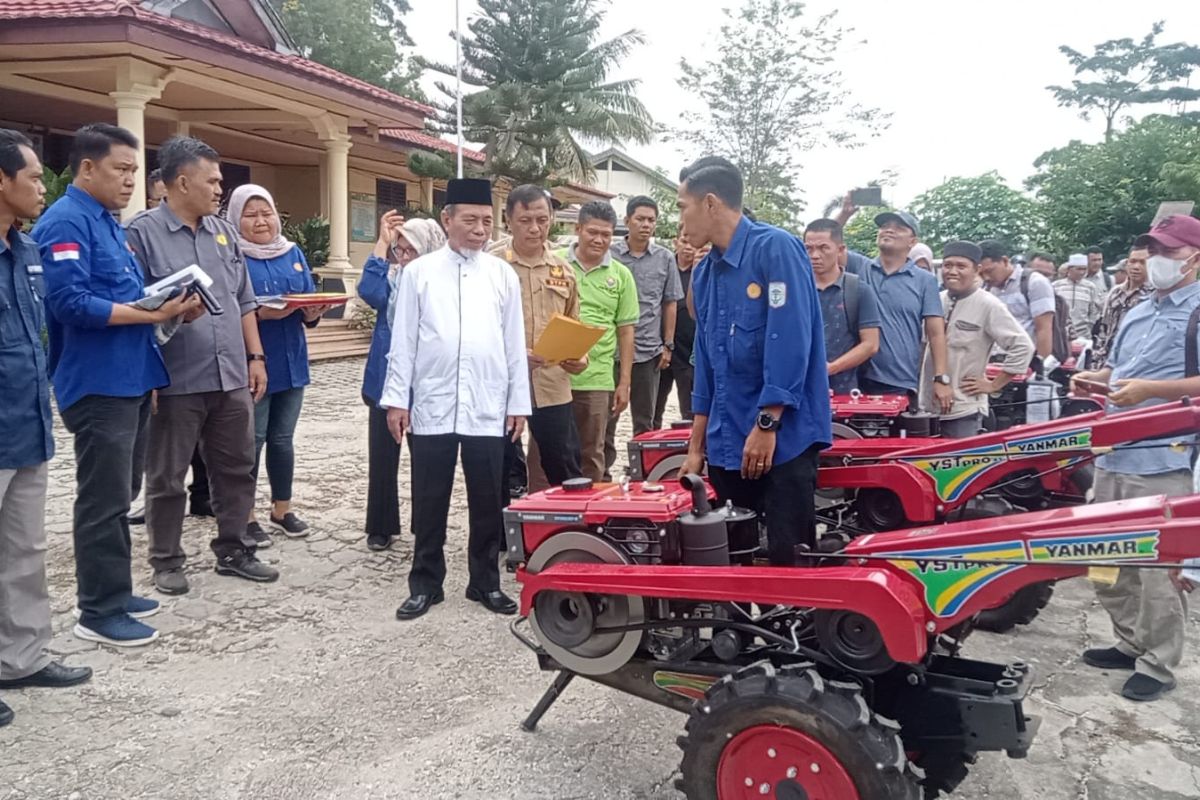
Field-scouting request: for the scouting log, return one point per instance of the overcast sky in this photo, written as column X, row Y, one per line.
column 964, row 80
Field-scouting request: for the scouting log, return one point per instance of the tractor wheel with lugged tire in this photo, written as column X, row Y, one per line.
column 787, row 733
column 1020, row 609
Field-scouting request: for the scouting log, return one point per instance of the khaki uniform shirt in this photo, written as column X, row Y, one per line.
column 548, row 287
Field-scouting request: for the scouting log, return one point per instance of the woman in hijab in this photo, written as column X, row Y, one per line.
column 399, row 243
column 277, row 266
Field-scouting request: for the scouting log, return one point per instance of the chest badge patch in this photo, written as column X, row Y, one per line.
column 221, row 240
column 298, row 267
column 556, row 271
column 777, row 294
column 753, row 291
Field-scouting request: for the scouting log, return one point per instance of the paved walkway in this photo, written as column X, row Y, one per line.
column 309, row 688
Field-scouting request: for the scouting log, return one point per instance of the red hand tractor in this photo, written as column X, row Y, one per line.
column 837, row 680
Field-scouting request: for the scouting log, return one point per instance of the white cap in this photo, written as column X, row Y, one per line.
column 919, row 251
column 1077, row 260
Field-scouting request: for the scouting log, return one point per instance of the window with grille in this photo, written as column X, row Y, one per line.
column 390, row 195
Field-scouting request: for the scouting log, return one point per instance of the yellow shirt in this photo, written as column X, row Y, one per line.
column 548, row 287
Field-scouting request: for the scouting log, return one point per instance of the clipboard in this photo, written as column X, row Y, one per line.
column 566, row 339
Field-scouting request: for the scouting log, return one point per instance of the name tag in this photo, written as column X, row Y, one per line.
column 33, row 269
column 565, row 284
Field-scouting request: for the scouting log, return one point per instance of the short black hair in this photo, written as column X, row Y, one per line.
column 994, row 249
column 153, row 178
column 12, row 160
column 597, row 209
column 717, row 176
column 1044, row 256
column 826, row 225
column 641, row 201
column 181, row 151
column 94, row 142
column 527, row 195
column 1093, row 251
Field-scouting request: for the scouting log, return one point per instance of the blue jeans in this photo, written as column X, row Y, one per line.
column 275, row 418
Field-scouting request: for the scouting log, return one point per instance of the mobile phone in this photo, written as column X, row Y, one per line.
column 1093, row 386
column 870, row 196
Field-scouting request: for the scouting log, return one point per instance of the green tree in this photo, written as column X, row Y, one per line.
column 543, row 88
column 769, row 92
column 1106, row 194
column 358, row 37
column 1122, row 73
column 668, row 210
column 978, row 208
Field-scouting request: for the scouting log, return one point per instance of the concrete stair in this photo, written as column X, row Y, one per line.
column 334, row 338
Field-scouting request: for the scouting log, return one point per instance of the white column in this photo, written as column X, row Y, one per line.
column 337, row 179
column 427, row 194
column 131, row 115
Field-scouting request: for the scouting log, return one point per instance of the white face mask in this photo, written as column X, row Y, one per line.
column 1164, row 273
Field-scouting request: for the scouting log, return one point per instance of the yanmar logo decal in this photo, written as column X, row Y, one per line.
column 954, row 473
column 949, row 586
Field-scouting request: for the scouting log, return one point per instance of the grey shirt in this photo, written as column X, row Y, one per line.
column 209, row 354
column 657, row 282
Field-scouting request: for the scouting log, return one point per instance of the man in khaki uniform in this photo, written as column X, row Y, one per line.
column 548, row 287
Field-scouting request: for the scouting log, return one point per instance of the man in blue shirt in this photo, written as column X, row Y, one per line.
column 26, row 442
column 911, row 311
column 1147, row 366
column 848, row 307
column 104, row 362
column 760, row 399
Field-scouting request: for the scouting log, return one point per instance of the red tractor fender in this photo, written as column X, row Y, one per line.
column 887, row 598
column 913, row 487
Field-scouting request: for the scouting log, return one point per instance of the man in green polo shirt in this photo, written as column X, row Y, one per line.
column 608, row 297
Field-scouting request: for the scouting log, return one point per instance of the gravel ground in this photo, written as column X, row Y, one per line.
column 309, row 687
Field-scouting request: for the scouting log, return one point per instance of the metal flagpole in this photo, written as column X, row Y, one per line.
column 458, row 79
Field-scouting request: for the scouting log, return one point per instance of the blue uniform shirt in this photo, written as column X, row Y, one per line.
column 283, row 340
column 89, row 267
column 25, row 422
column 376, row 289
column 759, row 342
column 839, row 339
column 906, row 298
column 1150, row 345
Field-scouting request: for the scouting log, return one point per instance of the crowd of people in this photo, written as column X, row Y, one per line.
column 752, row 326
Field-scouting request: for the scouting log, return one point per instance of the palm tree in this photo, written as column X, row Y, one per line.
column 543, row 88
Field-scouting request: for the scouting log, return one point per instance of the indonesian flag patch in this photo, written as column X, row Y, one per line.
column 67, row 251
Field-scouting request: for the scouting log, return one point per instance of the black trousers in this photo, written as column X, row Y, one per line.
column 680, row 376
column 383, row 475
column 110, row 448
column 515, row 478
column 783, row 497
column 643, row 394
column 433, row 462
column 553, row 428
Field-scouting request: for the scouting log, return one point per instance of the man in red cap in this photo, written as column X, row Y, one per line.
column 1147, row 365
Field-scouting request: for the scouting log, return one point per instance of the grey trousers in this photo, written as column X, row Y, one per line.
column 1148, row 613
column 223, row 424
column 24, row 601
column 643, row 394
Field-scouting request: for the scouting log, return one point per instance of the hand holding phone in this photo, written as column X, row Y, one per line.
column 1095, row 387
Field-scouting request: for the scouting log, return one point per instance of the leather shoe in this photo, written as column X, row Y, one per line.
column 417, row 605
column 497, row 602
column 1144, row 689
column 54, row 675
column 6, row 714
column 1108, row 658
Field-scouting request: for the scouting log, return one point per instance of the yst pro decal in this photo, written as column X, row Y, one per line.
column 684, row 684
column 948, row 586
column 956, row 472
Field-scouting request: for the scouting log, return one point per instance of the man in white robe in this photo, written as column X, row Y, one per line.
column 458, row 380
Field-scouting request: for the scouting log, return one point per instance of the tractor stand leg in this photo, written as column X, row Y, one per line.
column 561, row 681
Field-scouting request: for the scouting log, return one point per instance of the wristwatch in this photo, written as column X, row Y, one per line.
column 256, row 357
column 669, row 346
column 768, row 422
column 942, row 379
